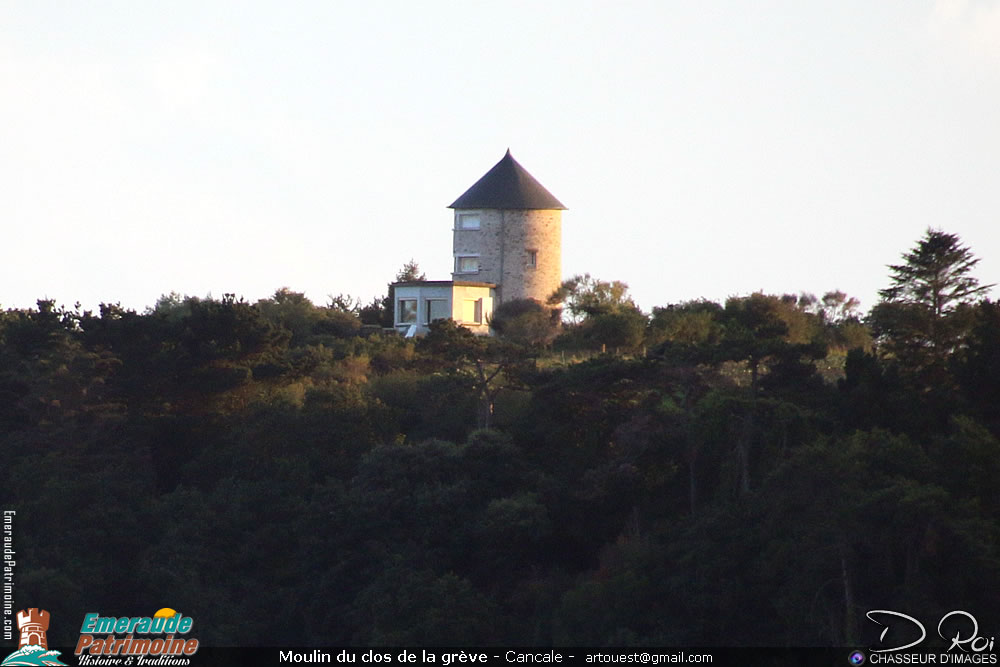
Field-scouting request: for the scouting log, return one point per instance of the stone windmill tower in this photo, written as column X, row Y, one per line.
column 508, row 232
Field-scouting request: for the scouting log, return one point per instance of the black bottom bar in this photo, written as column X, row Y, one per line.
column 514, row 657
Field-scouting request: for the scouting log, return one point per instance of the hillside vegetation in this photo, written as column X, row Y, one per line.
column 756, row 472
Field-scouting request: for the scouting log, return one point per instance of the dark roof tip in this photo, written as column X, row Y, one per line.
column 508, row 185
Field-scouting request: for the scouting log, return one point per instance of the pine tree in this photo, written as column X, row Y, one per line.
column 935, row 276
column 924, row 314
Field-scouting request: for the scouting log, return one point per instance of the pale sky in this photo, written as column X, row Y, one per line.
column 704, row 149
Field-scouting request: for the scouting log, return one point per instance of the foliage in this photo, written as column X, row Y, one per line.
column 924, row 315
column 935, row 275
column 410, row 272
column 490, row 365
column 583, row 296
column 688, row 325
column 380, row 311
column 525, row 322
column 307, row 323
column 345, row 303
column 602, row 315
column 715, row 491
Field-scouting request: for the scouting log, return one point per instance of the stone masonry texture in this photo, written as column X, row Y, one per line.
column 503, row 244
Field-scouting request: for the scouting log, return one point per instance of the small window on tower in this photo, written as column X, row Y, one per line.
column 532, row 258
column 466, row 265
column 468, row 221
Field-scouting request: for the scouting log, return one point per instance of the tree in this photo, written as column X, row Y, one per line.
column 755, row 331
column 838, row 307
column 296, row 313
column 752, row 331
column 935, row 275
column 603, row 313
column 410, row 273
column 924, row 314
column 685, row 324
column 978, row 366
column 345, row 303
column 380, row 310
column 525, row 322
column 486, row 361
column 173, row 306
column 584, row 296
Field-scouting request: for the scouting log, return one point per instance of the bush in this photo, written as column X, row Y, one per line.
column 525, row 322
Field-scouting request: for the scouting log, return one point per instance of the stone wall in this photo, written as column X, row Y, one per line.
column 503, row 245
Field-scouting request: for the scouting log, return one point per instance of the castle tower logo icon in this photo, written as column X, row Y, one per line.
column 33, row 623
column 33, row 647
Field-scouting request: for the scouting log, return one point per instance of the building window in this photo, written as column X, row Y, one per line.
column 532, row 259
column 406, row 313
column 472, row 311
column 468, row 221
column 466, row 265
column 437, row 309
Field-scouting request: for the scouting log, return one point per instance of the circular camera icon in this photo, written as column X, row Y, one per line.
column 856, row 658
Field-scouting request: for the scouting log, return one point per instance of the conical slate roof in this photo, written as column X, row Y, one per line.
column 508, row 185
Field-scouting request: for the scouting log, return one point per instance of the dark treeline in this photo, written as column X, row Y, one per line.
column 756, row 472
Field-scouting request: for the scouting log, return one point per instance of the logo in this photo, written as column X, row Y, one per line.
column 856, row 658
column 33, row 647
column 130, row 636
column 966, row 636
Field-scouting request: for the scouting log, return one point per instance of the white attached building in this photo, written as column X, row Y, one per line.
column 421, row 302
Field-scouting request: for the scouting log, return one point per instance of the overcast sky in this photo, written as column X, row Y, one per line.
column 704, row 149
